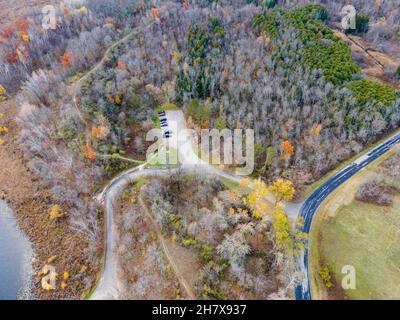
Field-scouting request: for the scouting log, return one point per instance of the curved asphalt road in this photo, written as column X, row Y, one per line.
column 311, row 205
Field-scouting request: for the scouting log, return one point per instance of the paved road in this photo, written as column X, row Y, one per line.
column 311, row 205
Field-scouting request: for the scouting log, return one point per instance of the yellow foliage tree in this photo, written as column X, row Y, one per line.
column 64, row 9
column 176, row 56
column 290, row 238
column 63, row 285
column 315, row 130
column 282, row 227
column 56, row 212
column 118, row 100
column 256, row 199
column 82, row 10
column 51, row 259
column 282, row 190
column 20, row 55
column 23, row 36
column 2, row 95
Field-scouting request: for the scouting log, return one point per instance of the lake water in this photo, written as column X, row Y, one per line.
column 15, row 258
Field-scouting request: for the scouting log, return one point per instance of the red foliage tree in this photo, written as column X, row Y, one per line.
column 7, row 32
column 11, row 56
column 22, row 25
column 185, row 6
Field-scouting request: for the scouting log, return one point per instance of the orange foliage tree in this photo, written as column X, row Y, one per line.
column 89, row 153
column 99, row 132
column 155, row 12
column 287, row 150
column 121, row 65
column 66, row 59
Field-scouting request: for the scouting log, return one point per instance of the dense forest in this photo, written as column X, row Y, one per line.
column 282, row 72
column 272, row 66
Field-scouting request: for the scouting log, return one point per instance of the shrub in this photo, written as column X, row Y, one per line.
column 374, row 192
column 220, row 124
column 206, row 252
column 325, row 275
column 189, row 242
column 214, row 293
column 175, row 220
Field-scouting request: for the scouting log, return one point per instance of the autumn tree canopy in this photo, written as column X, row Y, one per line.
column 282, row 190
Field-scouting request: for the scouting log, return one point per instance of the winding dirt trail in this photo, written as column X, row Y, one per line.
column 75, row 87
column 376, row 62
column 171, row 260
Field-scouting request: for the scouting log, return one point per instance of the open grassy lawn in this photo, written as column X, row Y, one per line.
column 366, row 236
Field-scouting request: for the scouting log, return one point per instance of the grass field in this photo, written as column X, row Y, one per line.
column 366, row 236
